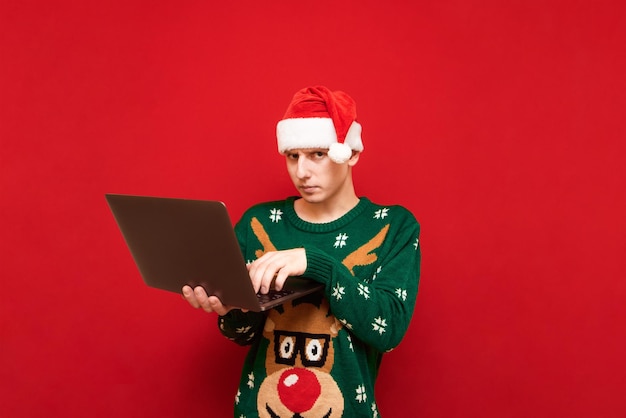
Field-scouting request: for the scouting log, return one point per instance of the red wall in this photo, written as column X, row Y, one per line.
column 499, row 124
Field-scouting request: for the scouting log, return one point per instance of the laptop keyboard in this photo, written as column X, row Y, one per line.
column 272, row 295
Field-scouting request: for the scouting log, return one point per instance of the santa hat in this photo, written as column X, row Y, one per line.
column 320, row 118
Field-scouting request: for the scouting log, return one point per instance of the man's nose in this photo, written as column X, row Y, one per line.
column 303, row 168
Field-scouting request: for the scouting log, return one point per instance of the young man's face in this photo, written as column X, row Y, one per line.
column 317, row 177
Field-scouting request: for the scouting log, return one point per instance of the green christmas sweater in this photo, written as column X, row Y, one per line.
column 319, row 355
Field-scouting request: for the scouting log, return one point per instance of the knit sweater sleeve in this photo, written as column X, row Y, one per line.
column 376, row 303
column 241, row 327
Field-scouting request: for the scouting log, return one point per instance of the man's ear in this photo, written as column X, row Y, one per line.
column 354, row 158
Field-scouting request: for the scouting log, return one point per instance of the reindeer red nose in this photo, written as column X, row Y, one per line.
column 298, row 389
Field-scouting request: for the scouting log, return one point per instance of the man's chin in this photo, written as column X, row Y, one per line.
column 309, row 193
column 312, row 198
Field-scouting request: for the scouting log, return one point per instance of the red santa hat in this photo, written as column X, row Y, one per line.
column 320, row 118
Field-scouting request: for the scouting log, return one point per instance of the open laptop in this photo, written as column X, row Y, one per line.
column 175, row 242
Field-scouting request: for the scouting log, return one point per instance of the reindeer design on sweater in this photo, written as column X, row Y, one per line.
column 298, row 364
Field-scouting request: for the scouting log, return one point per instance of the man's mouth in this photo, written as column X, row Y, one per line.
column 308, row 189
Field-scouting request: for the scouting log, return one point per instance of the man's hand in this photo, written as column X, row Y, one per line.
column 198, row 298
column 275, row 267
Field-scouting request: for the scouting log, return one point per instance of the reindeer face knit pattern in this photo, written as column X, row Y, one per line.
column 319, row 355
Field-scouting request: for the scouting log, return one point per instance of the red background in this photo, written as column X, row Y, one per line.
column 499, row 124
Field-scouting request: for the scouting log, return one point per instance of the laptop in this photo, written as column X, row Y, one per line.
column 177, row 242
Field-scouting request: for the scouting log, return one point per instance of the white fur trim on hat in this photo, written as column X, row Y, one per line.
column 353, row 137
column 298, row 133
column 305, row 133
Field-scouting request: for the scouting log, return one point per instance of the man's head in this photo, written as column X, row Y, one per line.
column 323, row 119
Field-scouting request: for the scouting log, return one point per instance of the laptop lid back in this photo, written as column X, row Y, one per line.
column 175, row 242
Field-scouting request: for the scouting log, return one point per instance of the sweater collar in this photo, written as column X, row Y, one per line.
column 299, row 223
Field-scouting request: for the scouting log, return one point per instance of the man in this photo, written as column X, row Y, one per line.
column 318, row 356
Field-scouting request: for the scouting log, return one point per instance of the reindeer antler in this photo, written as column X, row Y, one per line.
column 363, row 255
column 263, row 237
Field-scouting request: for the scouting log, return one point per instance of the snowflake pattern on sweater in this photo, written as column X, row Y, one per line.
column 319, row 355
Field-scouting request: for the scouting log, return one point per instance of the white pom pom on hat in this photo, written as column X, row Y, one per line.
column 320, row 118
column 339, row 153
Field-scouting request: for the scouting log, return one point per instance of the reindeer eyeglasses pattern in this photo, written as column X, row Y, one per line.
column 312, row 348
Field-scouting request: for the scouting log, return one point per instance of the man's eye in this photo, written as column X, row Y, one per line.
column 320, row 154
